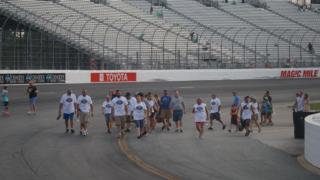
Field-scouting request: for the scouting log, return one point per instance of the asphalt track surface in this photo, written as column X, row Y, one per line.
column 35, row 147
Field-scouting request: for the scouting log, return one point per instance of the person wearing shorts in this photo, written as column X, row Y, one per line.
column 266, row 112
column 107, row 111
column 246, row 114
column 236, row 100
column 85, row 108
column 165, row 110
column 139, row 114
column 32, row 92
column 120, row 111
column 157, row 104
column 147, row 122
column 5, row 101
column 215, row 111
column 152, row 111
column 255, row 115
column 131, row 101
column 178, row 109
column 68, row 104
column 200, row 112
column 263, row 116
column 234, row 117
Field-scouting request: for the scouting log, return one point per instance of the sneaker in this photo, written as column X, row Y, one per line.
column 72, row 131
column 223, row 127
column 85, row 133
column 200, row 137
column 127, row 130
column 210, row 128
column 168, row 129
column 163, row 128
column 144, row 133
column 6, row 113
column 181, row 130
column 139, row 137
column 247, row 133
column 177, row 130
column 122, row 134
column 67, row 131
column 108, row 131
column 229, row 130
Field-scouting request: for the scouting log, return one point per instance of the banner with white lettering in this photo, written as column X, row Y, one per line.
column 36, row 78
column 114, row 77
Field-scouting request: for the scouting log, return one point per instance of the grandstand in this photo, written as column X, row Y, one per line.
column 174, row 34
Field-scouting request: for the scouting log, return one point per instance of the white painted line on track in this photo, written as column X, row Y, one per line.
column 186, row 87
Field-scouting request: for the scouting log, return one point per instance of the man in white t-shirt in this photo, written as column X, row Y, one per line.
column 85, row 108
column 215, row 111
column 68, row 104
column 131, row 102
column 120, row 111
column 299, row 102
column 139, row 115
column 246, row 114
column 107, row 113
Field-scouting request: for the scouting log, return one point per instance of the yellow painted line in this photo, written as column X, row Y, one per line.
column 308, row 166
column 139, row 162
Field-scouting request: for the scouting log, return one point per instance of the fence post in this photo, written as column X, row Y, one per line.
column 302, row 46
column 244, row 45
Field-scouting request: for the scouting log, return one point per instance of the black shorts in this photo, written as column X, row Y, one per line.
column 5, row 104
column 234, row 119
column 267, row 114
column 215, row 116
column 152, row 115
column 245, row 122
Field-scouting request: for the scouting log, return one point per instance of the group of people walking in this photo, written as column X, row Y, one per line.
column 243, row 115
column 147, row 110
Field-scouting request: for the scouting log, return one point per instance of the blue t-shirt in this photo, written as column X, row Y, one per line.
column 236, row 100
column 165, row 102
column 266, row 107
column 4, row 95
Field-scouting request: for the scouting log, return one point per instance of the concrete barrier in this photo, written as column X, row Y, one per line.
column 312, row 137
column 109, row 76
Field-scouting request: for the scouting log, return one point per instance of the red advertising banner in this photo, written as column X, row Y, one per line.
column 114, row 77
column 313, row 73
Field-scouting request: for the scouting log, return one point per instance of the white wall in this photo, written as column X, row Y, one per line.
column 312, row 138
column 75, row 77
